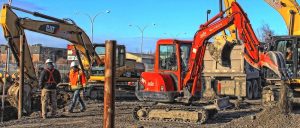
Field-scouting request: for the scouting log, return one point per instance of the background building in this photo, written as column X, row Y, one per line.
column 39, row 54
column 147, row 59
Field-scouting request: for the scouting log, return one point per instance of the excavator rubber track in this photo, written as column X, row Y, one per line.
column 173, row 113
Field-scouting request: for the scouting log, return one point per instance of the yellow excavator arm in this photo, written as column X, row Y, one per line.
column 13, row 28
column 290, row 11
column 13, row 33
column 232, row 28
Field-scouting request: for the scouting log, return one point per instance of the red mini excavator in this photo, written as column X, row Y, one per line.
column 176, row 81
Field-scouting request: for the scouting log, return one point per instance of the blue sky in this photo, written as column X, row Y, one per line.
column 172, row 18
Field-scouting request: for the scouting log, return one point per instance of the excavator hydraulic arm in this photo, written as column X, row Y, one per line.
column 63, row 29
column 290, row 11
column 253, row 56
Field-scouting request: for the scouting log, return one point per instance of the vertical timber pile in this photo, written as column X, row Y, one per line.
column 109, row 86
column 284, row 103
column 21, row 82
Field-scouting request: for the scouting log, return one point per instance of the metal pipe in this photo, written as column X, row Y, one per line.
column 292, row 22
column 221, row 6
column 109, row 85
column 207, row 13
column 213, row 19
column 21, row 79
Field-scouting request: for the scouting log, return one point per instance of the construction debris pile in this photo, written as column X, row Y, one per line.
column 267, row 118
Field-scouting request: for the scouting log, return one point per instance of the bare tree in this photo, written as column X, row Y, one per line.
column 264, row 32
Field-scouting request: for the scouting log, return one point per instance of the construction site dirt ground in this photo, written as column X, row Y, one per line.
column 248, row 116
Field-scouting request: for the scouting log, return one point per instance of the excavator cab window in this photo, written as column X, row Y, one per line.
column 184, row 56
column 286, row 47
column 167, row 57
column 122, row 55
column 100, row 50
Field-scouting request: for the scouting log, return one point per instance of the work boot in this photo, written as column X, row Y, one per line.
column 70, row 111
column 82, row 110
column 44, row 117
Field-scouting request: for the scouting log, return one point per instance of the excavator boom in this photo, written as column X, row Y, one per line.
column 290, row 11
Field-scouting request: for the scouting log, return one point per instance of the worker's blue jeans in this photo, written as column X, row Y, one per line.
column 76, row 96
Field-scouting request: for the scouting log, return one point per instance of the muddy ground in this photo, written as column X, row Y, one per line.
column 248, row 116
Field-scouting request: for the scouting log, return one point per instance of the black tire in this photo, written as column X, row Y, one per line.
column 249, row 90
column 255, row 89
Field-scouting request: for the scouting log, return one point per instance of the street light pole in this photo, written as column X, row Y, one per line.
column 141, row 29
column 92, row 20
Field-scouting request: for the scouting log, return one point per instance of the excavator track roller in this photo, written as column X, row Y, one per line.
column 182, row 114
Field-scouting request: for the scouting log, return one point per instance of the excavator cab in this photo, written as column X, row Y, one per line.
column 171, row 65
column 100, row 50
column 289, row 46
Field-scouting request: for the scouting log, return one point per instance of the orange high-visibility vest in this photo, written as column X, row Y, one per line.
column 77, row 78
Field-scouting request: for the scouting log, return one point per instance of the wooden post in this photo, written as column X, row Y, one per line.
column 109, row 86
column 284, row 103
column 21, row 79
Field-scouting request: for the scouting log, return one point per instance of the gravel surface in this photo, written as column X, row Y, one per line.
column 248, row 116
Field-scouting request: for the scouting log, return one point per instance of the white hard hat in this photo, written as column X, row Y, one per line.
column 49, row 61
column 73, row 63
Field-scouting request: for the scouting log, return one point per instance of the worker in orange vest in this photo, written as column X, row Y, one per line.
column 49, row 78
column 77, row 82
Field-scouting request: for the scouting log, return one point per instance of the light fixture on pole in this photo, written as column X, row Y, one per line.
column 92, row 20
column 141, row 29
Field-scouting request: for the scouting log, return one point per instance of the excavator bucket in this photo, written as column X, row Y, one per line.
column 221, row 48
column 275, row 61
